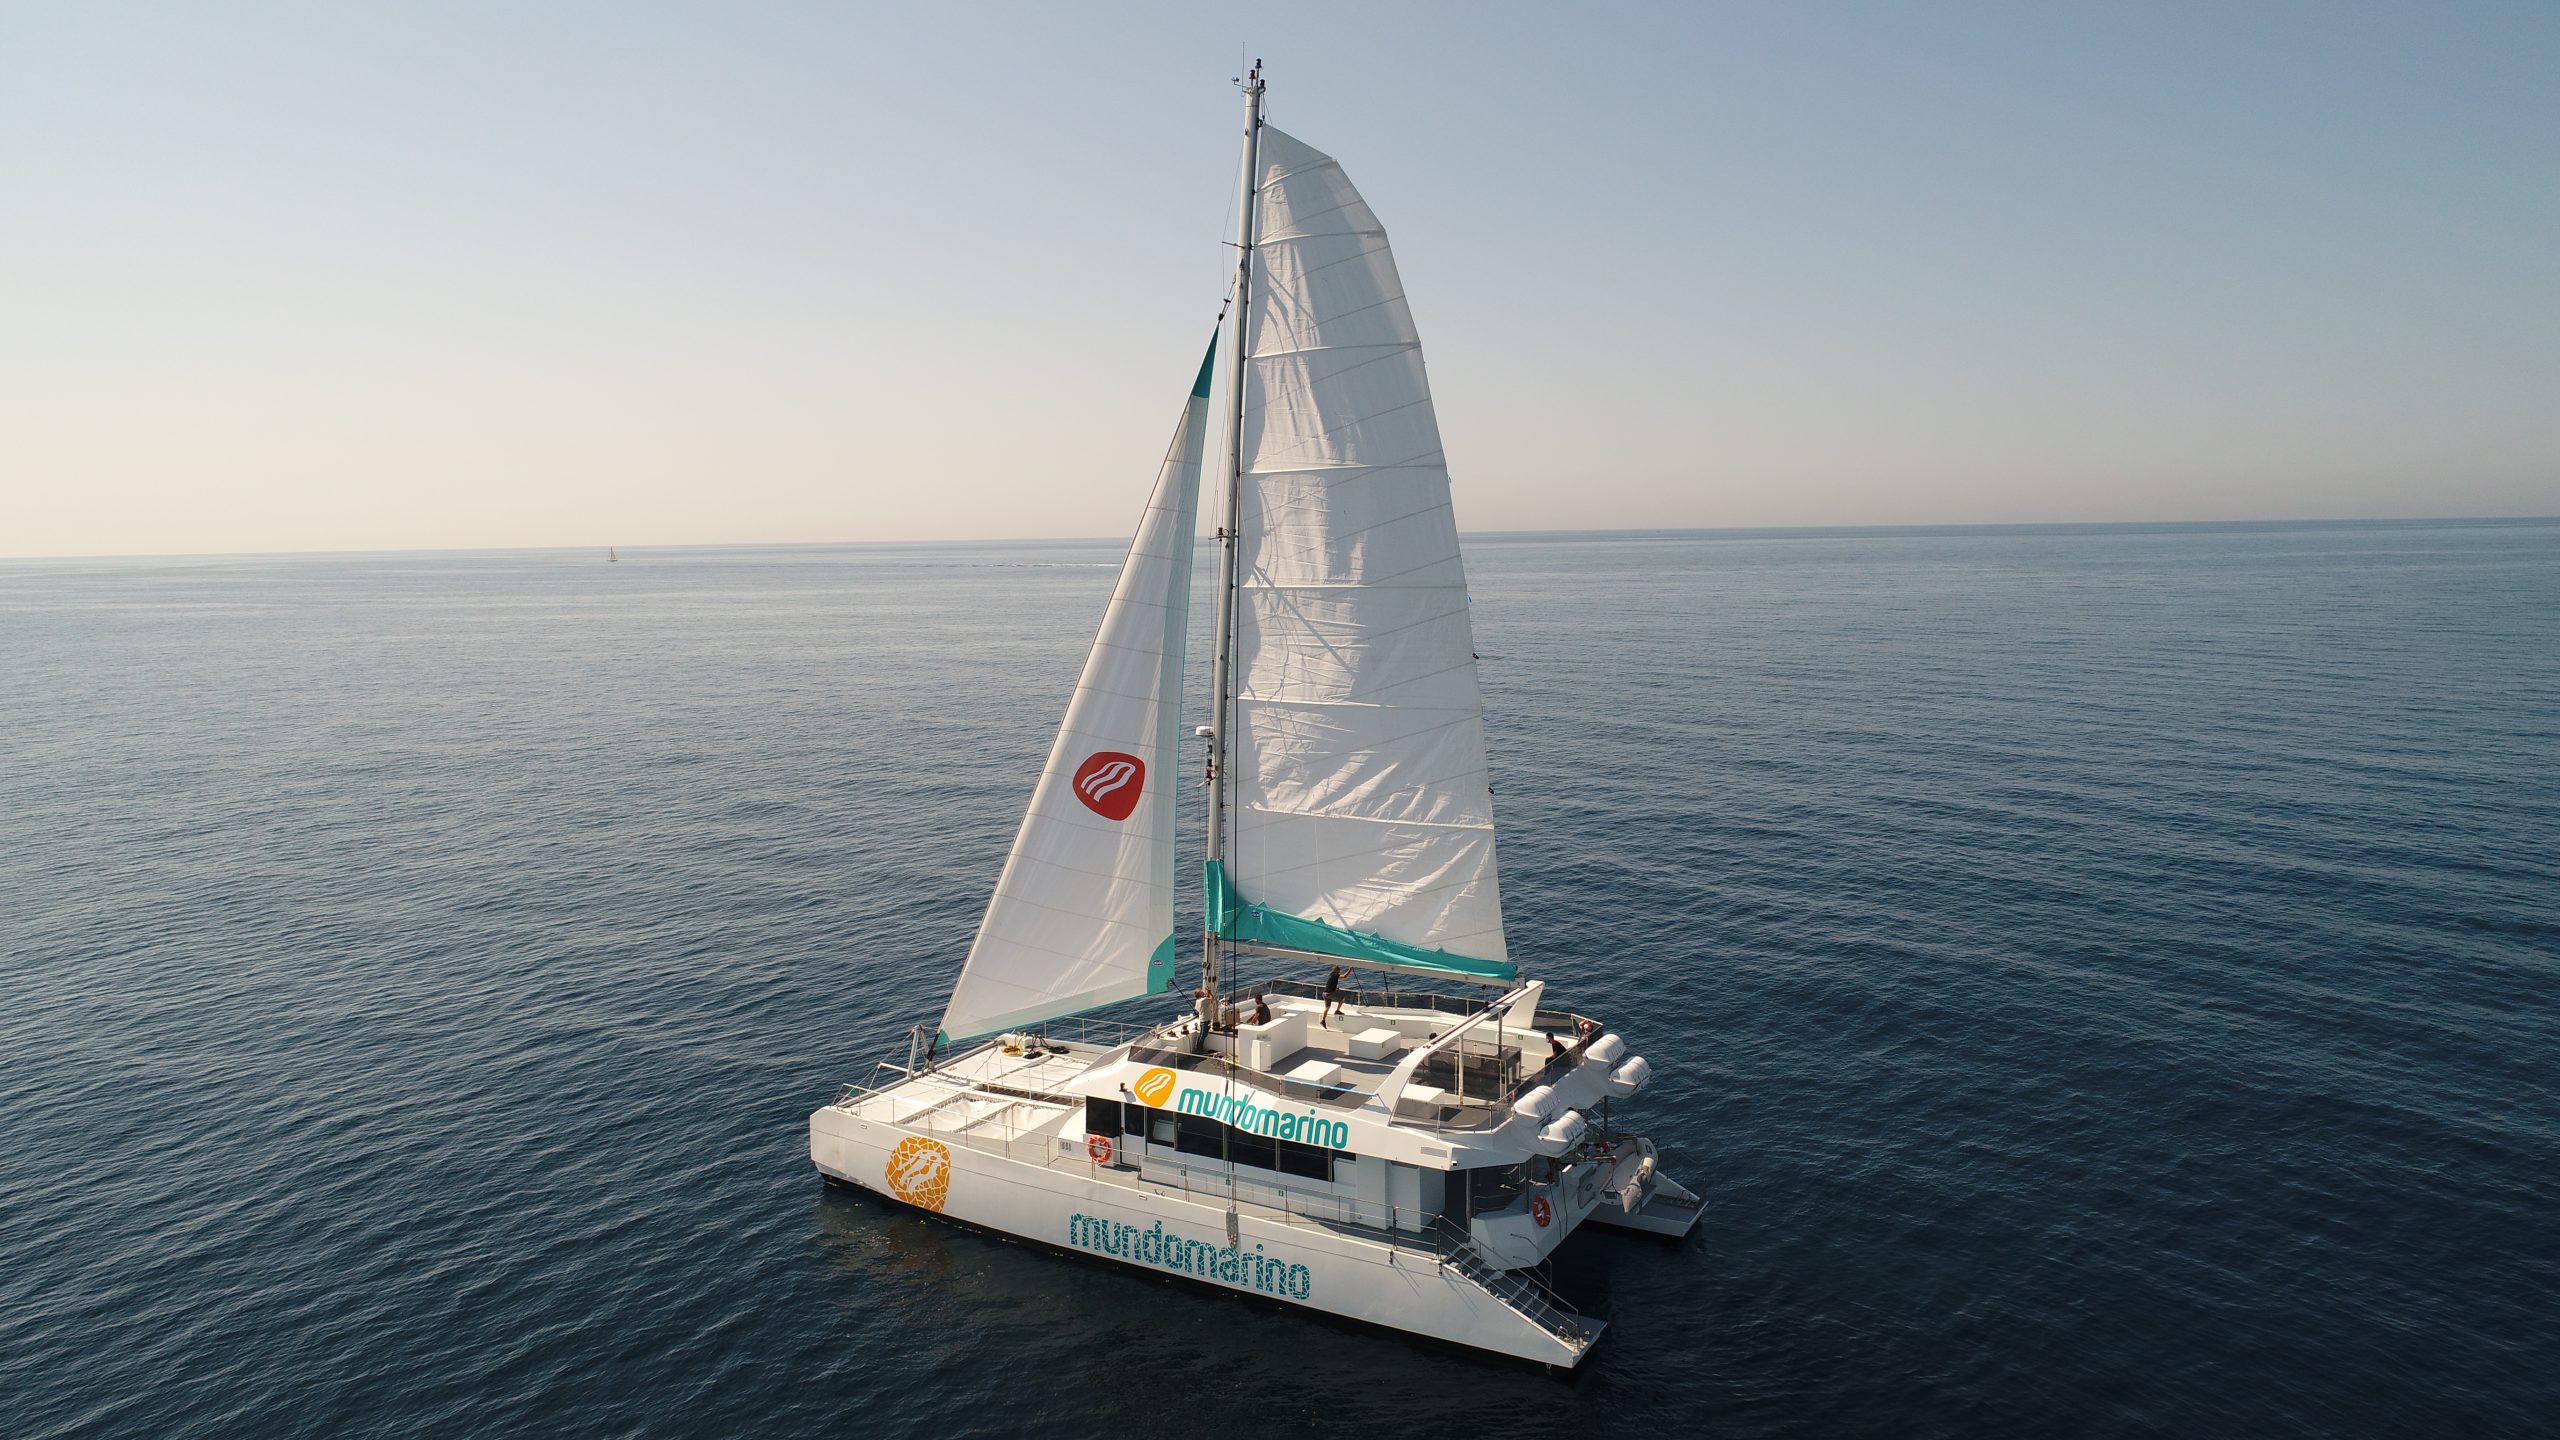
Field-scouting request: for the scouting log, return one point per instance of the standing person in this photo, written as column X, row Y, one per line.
column 1332, row 995
column 1207, row 1011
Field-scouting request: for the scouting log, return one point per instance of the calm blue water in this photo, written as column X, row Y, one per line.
column 2104, row 981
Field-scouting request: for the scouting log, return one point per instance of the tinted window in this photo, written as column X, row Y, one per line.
column 1197, row 1135
column 1311, row 1161
column 1493, row 1187
column 1102, row 1117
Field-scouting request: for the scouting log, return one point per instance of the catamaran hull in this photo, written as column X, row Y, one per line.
column 1153, row 1229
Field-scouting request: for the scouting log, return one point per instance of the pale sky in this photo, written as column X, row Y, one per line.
column 353, row 277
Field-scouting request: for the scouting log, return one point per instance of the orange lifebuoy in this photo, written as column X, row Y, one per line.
column 1099, row 1147
column 1541, row 1211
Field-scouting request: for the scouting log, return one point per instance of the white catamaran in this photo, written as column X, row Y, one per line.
column 1407, row 1157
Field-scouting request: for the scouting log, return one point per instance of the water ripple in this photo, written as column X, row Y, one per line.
column 2103, row 980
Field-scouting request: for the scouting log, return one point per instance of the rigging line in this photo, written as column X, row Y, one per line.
column 1332, row 235
column 1295, row 218
column 1401, row 347
column 1286, row 506
column 1352, row 470
column 1444, row 784
column 1327, row 377
column 1313, row 381
column 1331, row 431
column 1228, row 240
column 1338, row 348
column 1322, row 321
column 1459, row 714
column 1332, row 644
column 1322, row 160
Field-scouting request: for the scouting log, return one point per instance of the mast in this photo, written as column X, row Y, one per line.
column 1248, row 192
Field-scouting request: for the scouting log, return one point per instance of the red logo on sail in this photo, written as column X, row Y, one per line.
column 1108, row 783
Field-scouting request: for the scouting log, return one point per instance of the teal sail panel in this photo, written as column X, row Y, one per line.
column 1233, row 918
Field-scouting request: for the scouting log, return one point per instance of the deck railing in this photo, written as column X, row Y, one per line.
column 1086, row 1030
column 1391, row 999
column 1492, row 1080
column 1487, row 1096
column 1524, row 1294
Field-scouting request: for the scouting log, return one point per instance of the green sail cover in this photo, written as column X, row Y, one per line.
column 1231, row 917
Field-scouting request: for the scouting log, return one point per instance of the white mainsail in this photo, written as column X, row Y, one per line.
column 1083, row 914
column 1360, row 797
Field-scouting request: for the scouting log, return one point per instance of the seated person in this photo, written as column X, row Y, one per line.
column 1261, row 1009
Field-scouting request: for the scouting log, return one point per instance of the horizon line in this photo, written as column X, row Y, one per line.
column 1614, row 532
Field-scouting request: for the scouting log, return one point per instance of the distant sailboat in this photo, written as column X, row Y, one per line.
column 1404, row 1157
column 612, row 556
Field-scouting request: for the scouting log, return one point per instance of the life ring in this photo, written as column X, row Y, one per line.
column 1099, row 1147
column 1541, row 1211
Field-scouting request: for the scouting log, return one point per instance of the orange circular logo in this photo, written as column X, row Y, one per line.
column 919, row 1172
column 1155, row 1087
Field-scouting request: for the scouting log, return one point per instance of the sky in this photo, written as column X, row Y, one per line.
column 332, row 277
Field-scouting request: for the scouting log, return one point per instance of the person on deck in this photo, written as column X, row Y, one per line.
column 1332, row 995
column 1261, row 1009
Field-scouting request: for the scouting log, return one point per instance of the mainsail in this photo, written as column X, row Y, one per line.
column 1083, row 914
column 1361, row 812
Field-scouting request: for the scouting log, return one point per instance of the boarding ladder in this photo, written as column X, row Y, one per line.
column 1523, row 1296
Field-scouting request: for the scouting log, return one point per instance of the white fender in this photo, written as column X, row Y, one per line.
column 1560, row 1135
column 1604, row 1051
column 1580, row 1088
column 1629, row 1078
column 1537, row 1104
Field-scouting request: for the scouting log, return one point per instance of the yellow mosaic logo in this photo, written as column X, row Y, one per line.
column 919, row 1172
column 1155, row 1087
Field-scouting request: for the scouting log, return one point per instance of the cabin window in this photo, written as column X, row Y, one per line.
column 1202, row 1136
column 1312, row 1162
column 1101, row 1117
column 1259, row 1151
column 1199, row 1135
column 1494, row 1187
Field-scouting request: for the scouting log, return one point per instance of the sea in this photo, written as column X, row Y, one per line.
column 2104, row 981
